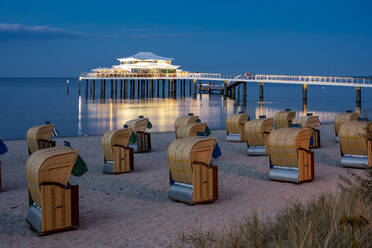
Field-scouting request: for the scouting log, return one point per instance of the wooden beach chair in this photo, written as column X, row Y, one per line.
column 118, row 157
column 192, row 178
column 235, row 127
column 342, row 118
column 284, row 119
column 256, row 133
column 3, row 150
column 309, row 121
column 192, row 129
column 290, row 158
column 139, row 126
column 356, row 144
column 39, row 137
column 53, row 202
column 184, row 120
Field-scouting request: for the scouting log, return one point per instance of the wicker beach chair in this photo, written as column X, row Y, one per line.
column 235, row 127
column 184, row 120
column 3, row 150
column 192, row 129
column 192, row 178
column 39, row 137
column 356, row 144
column 309, row 121
column 142, row 140
column 289, row 155
column 284, row 119
column 256, row 133
column 342, row 118
column 54, row 203
column 118, row 157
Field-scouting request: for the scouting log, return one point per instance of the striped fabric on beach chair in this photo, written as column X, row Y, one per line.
column 192, row 178
column 342, row 118
column 118, row 157
column 356, row 144
column 284, row 119
column 256, row 133
column 54, row 203
column 289, row 155
column 312, row 122
column 235, row 126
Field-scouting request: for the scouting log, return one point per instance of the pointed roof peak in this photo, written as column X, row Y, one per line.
column 146, row 56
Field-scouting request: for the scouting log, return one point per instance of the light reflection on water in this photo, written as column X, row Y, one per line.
column 26, row 102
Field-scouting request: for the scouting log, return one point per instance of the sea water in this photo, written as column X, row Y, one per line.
column 27, row 102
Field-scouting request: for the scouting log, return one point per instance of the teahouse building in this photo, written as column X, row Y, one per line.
column 142, row 64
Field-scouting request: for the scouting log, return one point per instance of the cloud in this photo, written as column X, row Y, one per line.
column 10, row 32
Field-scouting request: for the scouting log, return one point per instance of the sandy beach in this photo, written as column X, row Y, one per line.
column 132, row 210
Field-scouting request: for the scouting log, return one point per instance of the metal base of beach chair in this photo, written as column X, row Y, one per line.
column 181, row 192
column 256, row 150
column 286, row 174
column 350, row 161
column 61, row 210
column 233, row 137
column 337, row 140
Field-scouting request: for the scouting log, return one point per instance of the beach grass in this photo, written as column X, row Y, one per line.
column 330, row 220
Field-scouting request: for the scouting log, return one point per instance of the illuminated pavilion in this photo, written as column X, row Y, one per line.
column 142, row 64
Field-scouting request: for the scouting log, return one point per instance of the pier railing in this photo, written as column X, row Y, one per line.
column 233, row 79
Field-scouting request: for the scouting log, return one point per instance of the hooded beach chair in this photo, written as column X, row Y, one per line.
column 192, row 177
column 342, row 118
column 53, row 202
column 3, row 150
column 192, row 129
column 184, row 120
column 118, row 157
column 39, row 137
column 140, row 140
column 356, row 144
column 309, row 121
column 256, row 133
column 284, row 119
column 235, row 126
column 289, row 155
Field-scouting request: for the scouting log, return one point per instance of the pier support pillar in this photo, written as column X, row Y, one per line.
column 121, row 88
column 116, row 88
column 86, row 88
column 190, row 86
column 157, row 88
column 112, row 89
column 147, row 88
column 233, row 92
column 184, row 87
column 138, row 88
column 79, row 86
column 304, row 92
column 194, row 86
column 163, row 88
column 125, row 89
column 358, row 99
column 152, row 88
column 94, row 89
column 244, row 92
column 261, row 92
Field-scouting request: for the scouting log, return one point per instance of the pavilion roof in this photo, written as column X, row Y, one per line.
column 145, row 56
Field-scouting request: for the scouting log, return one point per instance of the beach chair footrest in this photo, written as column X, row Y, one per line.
column 233, row 137
column 256, row 150
column 181, row 193
column 284, row 174
column 354, row 161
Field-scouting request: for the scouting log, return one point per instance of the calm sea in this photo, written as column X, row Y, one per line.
column 26, row 102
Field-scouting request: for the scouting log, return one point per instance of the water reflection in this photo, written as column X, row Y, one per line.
column 163, row 112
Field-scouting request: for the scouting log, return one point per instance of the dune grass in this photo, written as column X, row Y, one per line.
column 332, row 220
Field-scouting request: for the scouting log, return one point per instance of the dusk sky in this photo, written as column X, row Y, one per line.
column 64, row 38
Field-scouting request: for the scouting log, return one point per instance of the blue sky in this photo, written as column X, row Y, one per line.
column 64, row 38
